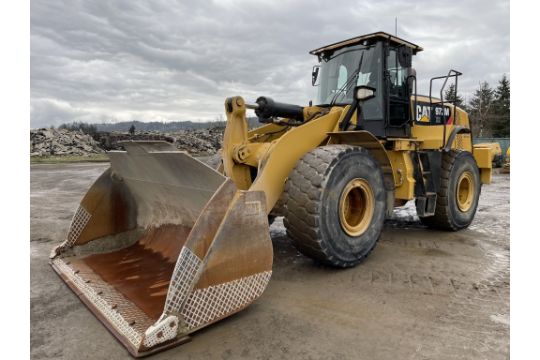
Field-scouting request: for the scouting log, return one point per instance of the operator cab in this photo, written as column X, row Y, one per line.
column 378, row 61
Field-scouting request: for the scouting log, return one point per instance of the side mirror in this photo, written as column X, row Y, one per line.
column 363, row 92
column 315, row 75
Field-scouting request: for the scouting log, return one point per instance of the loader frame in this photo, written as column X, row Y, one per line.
column 261, row 159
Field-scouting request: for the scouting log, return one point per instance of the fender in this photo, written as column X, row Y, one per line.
column 455, row 131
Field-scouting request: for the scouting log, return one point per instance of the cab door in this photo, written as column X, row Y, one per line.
column 398, row 103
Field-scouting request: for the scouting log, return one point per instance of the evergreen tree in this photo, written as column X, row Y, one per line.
column 89, row 129
column 132, row 129
column 451, row 95
column 481, row 109
column 501, row 108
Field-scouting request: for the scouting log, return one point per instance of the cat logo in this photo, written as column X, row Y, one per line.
column 432, row 113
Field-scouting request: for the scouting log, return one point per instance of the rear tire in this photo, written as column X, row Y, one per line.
column 335, row 204
column 457, row 198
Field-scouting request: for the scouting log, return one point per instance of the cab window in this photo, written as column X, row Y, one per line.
column 397, row 75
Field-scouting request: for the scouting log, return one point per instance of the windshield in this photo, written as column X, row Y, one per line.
column 339, row 74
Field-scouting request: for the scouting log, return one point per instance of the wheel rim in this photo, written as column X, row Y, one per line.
column 356, row 207
column 465, row 191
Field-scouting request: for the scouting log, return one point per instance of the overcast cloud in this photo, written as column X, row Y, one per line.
column 165, row 60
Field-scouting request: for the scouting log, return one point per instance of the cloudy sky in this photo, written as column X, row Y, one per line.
column 166, row 60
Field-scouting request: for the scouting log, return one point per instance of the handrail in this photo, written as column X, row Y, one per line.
column 452, row 73
column 412, row 116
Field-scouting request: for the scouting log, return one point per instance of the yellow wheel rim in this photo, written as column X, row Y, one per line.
column 465, row 191
column 356, row 207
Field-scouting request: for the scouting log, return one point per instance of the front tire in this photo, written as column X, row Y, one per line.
column 335, row 204
column 457, row 198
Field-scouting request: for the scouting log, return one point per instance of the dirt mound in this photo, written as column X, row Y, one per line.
column 45, row 142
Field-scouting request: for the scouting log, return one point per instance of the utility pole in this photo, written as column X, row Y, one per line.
column 395, row 23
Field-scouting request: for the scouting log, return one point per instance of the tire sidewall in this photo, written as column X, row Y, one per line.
column 351, row 165
column 463, row 162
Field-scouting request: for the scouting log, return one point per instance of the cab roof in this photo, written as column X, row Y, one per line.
column 380, row 35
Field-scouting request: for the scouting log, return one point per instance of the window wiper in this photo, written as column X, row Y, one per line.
column 348, row 82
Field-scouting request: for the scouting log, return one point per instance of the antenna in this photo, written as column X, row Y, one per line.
column 396, row 24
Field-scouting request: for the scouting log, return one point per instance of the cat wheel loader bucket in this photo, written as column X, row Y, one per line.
column 162, row 245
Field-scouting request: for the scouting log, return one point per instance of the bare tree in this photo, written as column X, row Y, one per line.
column 481, row 109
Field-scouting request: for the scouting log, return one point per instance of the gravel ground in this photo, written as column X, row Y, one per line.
column 420, row 295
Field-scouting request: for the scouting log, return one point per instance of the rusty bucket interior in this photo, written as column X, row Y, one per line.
column 163, row 245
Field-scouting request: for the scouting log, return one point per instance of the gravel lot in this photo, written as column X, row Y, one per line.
column 420, row 295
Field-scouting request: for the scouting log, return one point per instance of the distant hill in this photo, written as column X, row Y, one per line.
column 166, row 126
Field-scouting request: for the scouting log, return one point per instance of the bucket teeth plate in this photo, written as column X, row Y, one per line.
column 162, row 245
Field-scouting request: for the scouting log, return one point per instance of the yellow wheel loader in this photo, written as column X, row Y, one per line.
column 163, row 245
column 497, row 157
column 506, row 166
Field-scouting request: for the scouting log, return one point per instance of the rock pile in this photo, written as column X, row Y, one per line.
column 200, row 141
column 62, row 142
column 43, row 142
column 113, row 140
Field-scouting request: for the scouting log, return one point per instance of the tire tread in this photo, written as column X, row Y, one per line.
column 443, row 218
column 303, row 195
